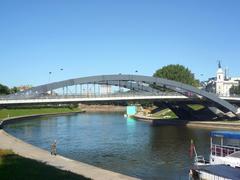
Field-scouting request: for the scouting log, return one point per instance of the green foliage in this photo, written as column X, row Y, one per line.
column 5, row 152
column 235, row 90
column 18, row 168
column 4, row 90
column 4, row 113
column 178, row 73
column 196, row 107
column 14, row 90
column 165, row 114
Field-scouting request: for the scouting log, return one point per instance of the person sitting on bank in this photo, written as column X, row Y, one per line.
column 54, row 148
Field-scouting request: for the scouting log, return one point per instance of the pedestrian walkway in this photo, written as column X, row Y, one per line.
column 29, row 151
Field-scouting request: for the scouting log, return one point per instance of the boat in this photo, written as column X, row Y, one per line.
column 224, row 159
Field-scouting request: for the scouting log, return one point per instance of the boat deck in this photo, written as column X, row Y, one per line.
column 236, row 155
column 220, row 170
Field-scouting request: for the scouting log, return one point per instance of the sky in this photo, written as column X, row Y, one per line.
column 95, row 37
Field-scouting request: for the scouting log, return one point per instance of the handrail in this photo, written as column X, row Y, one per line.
column 90, row 96
column 224, row 150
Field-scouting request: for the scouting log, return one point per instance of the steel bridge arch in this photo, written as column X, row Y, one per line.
column 131, row 82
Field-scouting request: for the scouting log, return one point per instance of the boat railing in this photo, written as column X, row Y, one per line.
column 200, row 160
column 218, row 150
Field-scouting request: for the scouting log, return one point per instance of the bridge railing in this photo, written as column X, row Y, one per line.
column 49, row 96
column 92, row 95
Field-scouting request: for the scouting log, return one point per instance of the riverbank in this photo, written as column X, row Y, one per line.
column 228, row 125
column 155, row 121
column 26, row 150
column 14, row 115
column 214, row 125
column 17, row 112
column 102, row 108
column 13, row 166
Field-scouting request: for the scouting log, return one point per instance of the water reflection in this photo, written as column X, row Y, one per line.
column 131, row 124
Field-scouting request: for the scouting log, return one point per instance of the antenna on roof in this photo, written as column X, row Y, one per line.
column 226, row 76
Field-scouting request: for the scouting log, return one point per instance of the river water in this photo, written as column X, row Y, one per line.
column 110, row 141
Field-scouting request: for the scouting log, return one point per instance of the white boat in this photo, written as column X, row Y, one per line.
column 228, row 150
column 224, row 160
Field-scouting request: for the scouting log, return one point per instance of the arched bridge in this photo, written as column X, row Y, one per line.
column 136, row 83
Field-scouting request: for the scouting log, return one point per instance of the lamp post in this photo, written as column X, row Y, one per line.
column 136, row 71
column 49, row 76
column 61, row 70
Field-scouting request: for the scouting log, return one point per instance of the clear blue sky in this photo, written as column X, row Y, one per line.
column 92, row 37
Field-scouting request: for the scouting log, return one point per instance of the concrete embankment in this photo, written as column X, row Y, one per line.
column 230, row 125
column 214, row 125
column 29, row 151
column 102, row 108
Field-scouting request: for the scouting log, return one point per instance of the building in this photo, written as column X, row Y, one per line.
column 24, row 87
column 221, row 84
column 224, row 83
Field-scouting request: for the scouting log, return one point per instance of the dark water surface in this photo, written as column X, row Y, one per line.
column 115, row 143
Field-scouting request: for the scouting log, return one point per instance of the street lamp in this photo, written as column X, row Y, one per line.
column 60, row 71
column 49, row 76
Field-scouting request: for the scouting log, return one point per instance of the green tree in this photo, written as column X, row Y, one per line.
column 4, row 90
column 14, row 90
column 178, row 73
column 235, row 90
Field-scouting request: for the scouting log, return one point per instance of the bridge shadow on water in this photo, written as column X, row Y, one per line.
column 175, row 122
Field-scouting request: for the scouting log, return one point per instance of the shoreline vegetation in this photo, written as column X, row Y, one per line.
column 167, row 117
column 230, row 125
column 13, row 166
column 168, row 114
column 156, row 121
column 18, row 112
column 12, row 112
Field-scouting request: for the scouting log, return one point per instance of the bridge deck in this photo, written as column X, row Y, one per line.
column 87, row 99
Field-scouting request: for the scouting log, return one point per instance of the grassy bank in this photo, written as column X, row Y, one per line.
column 169, row 114
column 165, row 114
column 16, row 167
column 5, row 113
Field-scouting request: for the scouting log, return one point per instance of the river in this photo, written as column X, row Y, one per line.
column 110, row 141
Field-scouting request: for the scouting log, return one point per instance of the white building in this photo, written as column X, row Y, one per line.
column 224, row 83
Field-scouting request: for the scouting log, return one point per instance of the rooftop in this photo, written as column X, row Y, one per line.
column 226, row 134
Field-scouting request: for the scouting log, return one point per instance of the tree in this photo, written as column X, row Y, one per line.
column 178, row 73
column 14, row 90
column 235, row 90
column 4, row 90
